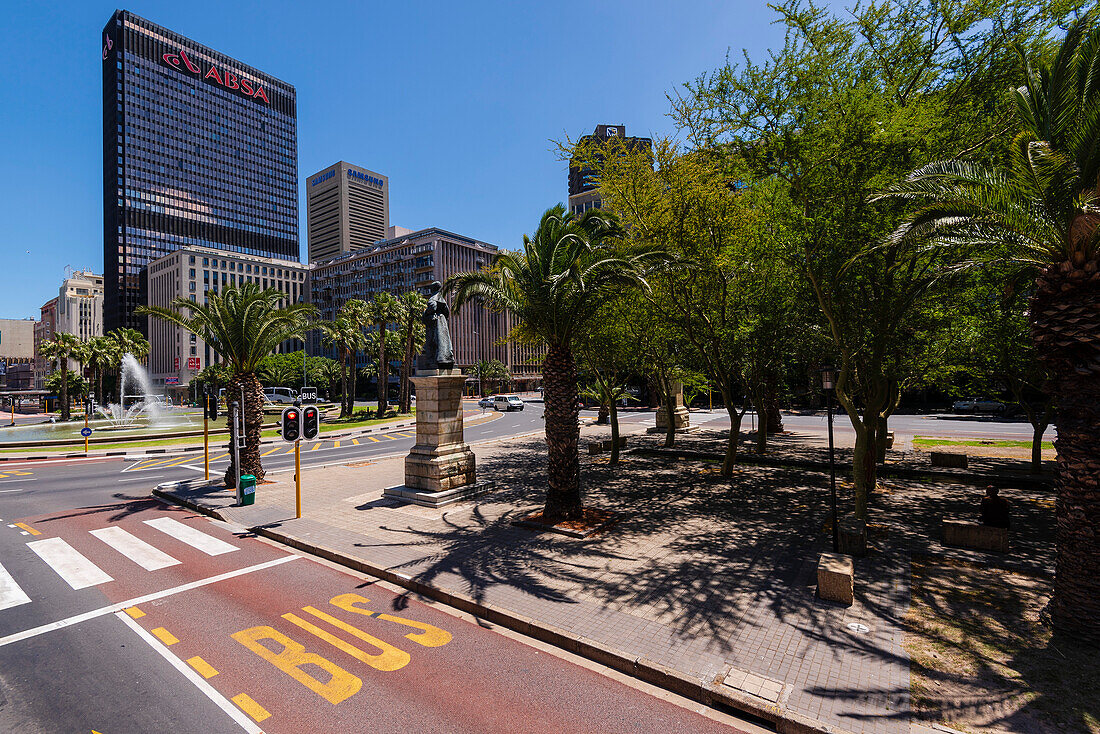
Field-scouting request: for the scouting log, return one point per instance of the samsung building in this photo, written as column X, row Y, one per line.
column 199, row 149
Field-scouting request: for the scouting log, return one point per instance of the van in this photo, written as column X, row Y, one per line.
column 507, row 402
column 281, row 395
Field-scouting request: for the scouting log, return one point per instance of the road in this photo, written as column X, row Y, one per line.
column 119, row 613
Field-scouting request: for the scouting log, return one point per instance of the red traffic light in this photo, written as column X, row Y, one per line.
column 292, row 416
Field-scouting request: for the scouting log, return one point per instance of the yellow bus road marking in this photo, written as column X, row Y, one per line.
column 390, row 658
column 250, row 707
column 372, row 438
column 134, row 612
column 392, row 438
column 289, row 451
column 219, row 458
column 28, row 528
column 268, row 453
column 407, row 435
column 355, row 441
column 203, row 668
column 177, row 462
column 316, row 446
column 335, row 444
column 165, row 636
column 15, row 473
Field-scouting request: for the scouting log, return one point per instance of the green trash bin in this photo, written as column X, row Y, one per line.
column 246, row 492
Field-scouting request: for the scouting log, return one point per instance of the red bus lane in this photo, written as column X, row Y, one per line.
column 282, row 643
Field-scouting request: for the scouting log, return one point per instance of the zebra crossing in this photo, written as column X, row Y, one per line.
column 80, row 571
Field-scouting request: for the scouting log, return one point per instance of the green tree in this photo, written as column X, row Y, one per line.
column 243, row 324
column 68, row 383
column 100, row 354
column 1042, row 211
column 346, row 334
column 215, row 376
column 411, row 332
column 58, row 351
column 281, row 370
column 327, row 372
column 492, row 372
column 384, row 309
column 566, row 272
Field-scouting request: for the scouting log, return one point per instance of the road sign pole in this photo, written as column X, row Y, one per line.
column 298, row 478
column 206, row 435
column 85, row 432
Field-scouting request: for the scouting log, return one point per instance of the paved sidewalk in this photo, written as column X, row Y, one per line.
column 704, row 579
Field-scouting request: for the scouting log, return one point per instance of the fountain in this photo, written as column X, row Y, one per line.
column 118, row 415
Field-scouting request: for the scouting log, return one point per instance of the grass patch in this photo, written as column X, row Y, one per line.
column 1005, row 444
column 362, row 419
column 980, row 657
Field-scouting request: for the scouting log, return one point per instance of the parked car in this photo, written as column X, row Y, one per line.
column 507, row 402
column 281, row 395
column 486, row 402
column 978, row 405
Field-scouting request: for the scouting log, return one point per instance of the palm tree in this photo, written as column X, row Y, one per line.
column 127, row 341
column 58, row 351
column 328, row 370
column 243, row 325
column 100, row 353
column 1042, row 211
column 555, row 287
column 384, row 309
column 346, row 334
column 412, row 333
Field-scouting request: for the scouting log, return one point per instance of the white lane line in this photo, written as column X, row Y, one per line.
column 5, row 491
column 134, row 548
column 196, row 680
column 77, row 619
column 9, row 481
column 141, row 479
column 208, row 544
column 77, row 571
column 11, row 595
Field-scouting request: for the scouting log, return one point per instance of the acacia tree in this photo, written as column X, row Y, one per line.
column 555, row 287
column 242, row 324
column 1042, row 211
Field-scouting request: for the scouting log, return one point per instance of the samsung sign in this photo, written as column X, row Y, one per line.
column 322, row 178
column 366, row 178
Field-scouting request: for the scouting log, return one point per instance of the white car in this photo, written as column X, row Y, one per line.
column 280, row 395
column 507, row 402
column 978, row 405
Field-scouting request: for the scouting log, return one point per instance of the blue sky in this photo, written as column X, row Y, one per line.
column 455, row 102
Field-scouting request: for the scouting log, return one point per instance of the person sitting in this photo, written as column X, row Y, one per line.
column 995, row 509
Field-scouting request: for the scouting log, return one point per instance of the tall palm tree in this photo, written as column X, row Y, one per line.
column 243, row 324
column 555, row 287
column 58, row 351
column 384, row 309
column 100, row 353
column 1042, row 210
column 346, row 334
column 412, row 333
column 327, row 370
column 127, row 341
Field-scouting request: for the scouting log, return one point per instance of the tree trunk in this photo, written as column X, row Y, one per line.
column 406, row 373
column 383, row 373
column 734, row 437
column 353, row 383
column 881, row 429
column 762, row 422
column 563, row 495
column 64, row 389
column 1038, row 429
column 864, row 468
column 1065, row 314
column 670, row 414
column 253, row 421
column 614, row 416
column 771, row 403
column 344, row 384
column 99, row 382
column 604, row 414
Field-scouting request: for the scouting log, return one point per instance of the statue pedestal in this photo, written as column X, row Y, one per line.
column 440, row 468
column 681, row 419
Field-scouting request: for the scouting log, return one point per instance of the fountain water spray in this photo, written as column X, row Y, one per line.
column 133, row 374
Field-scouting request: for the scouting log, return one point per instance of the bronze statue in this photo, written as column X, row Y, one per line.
column 438, row 353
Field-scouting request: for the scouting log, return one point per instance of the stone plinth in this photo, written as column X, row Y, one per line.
column 835, row 578
column 967, row 534
column 681, row 419
column 440, row 468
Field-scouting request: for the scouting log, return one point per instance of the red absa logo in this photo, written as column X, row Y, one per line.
column 225, row 78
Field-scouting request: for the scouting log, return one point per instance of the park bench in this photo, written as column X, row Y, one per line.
column 974, row 535
column 835, row 578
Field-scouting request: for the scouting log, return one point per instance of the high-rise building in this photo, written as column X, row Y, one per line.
column 198, row 149
column 16, row 352
column 584, row 194
column 77, row 310
column 176, row 355
column 410, row 261
column 347, row 208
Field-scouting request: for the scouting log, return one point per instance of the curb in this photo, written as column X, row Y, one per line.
column 709, row 692
column 1001, row 480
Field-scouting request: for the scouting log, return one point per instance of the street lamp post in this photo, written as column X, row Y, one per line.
column 828, row 384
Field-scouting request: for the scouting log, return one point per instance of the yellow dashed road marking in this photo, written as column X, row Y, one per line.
column 316, row 446
column 335, row 444
column 355, row 441
column 135, row 613
column 268, row 453
column 372, row 438
column 165, row 636
column 203, row 668
column 250, row 707
column 28, row 528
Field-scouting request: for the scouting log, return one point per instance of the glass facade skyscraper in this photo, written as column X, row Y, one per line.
column 198, row 149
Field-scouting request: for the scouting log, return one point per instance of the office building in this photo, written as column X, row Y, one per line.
column 16, row 351
column 199, row 149
column 176, row 354
column 347, row 208
column 77, row 310
column 409, row 261
column 44, row 330
column 584, row 194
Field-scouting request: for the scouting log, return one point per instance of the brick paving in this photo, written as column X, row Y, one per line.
column 702, row 575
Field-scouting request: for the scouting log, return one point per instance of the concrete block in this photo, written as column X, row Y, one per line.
column 968, row 534
column 595, row 447
column 949, row 460
column 836, row 578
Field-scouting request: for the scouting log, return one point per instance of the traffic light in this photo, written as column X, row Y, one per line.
column 292, row 424
column 309, row 421
column 211, row 407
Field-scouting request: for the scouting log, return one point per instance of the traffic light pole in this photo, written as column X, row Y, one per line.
column 298, row 478
column 206, row 433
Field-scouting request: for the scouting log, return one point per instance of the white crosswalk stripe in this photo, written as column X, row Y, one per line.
column 76, row 570
column 11, row 595
column 134, row 548
column 197, row 539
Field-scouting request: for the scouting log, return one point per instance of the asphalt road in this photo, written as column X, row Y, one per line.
column 119, row 613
